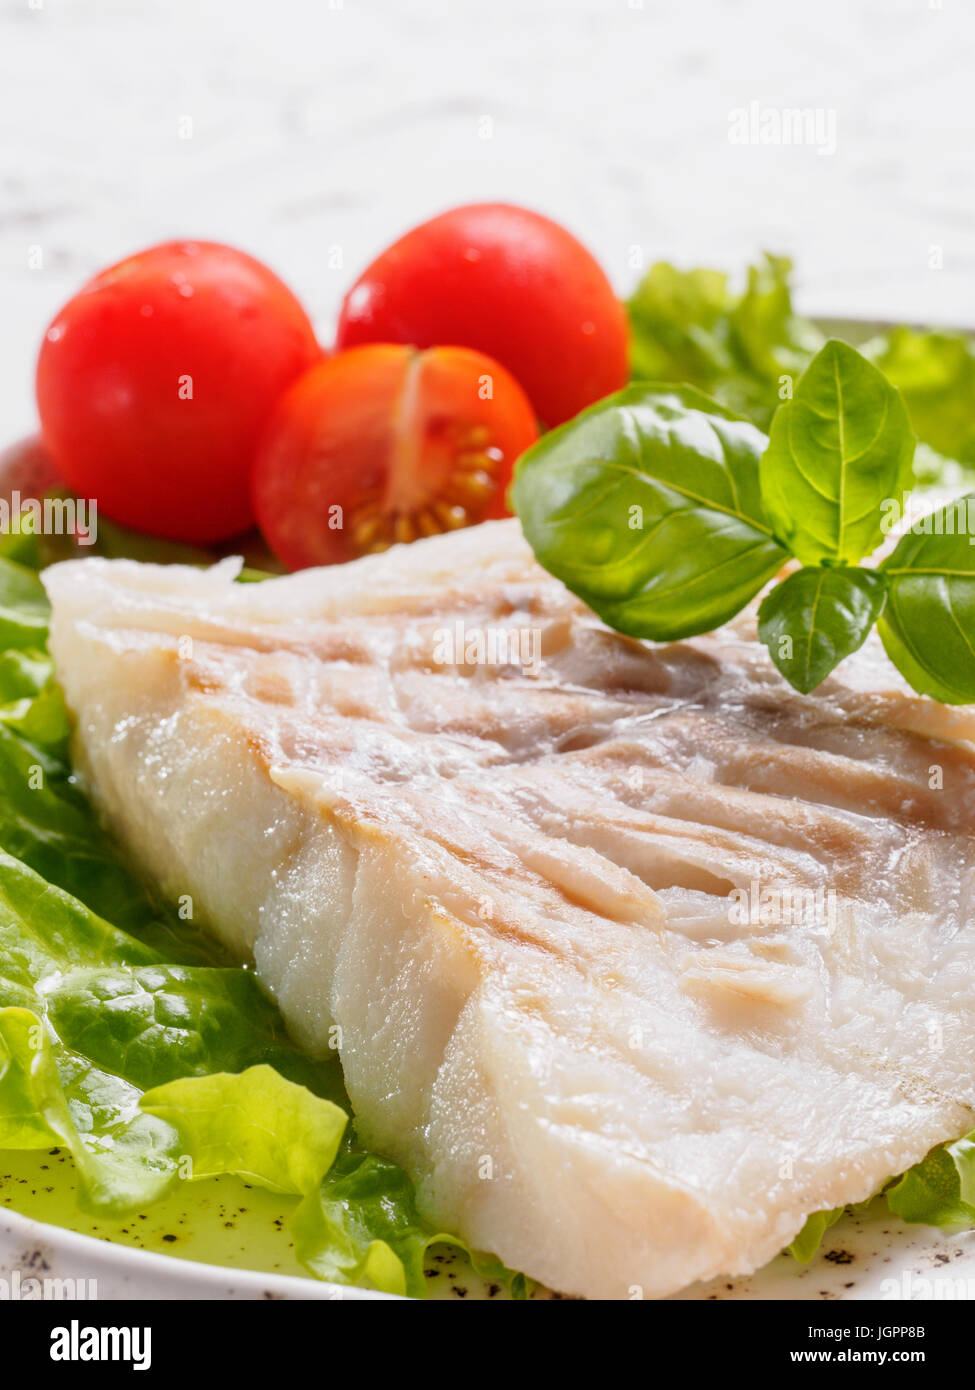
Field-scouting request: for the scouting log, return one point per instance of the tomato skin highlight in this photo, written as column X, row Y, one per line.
column 384, row 444
column 506, row 282
column 155, row 382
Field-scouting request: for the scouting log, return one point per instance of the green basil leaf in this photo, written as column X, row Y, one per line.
column 816, row 617
column 928, row 625
column 647, row 506
column 837, row 451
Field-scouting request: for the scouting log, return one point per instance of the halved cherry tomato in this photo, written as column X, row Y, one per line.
column 384, row 444
column 507, row 282
column 155, row 382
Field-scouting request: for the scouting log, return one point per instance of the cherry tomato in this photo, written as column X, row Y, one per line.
column 383, row 444
column 26, row 468
column 507, row 282
column 155, row 382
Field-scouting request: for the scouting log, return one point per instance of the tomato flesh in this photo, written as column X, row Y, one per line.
column 506, row 282
column 383, row 445
column 155, row 382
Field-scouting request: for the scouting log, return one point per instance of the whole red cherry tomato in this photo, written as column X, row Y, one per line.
column 507, row 282
column 155, row 382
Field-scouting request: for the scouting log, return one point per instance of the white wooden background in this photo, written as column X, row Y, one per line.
column 312, row 131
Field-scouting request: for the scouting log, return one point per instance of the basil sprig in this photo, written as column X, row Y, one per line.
column 666, row 513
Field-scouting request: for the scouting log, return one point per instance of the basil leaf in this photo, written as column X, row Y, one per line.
column 648, row 507
column 928, row 626
column 840, row 448
column 816, row 617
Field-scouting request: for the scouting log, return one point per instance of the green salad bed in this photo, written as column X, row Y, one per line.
column 129, row 1042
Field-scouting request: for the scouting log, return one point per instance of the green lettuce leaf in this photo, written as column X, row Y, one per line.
column 258, row 1125
column 117, row 1001
column 940, row 1190
column 125, row 1160
column 89, row 1017
column 23, row 607
column 361, row 1227
column 810, row 1238
column 741, row 348
column 935, row 371
column 744, row 347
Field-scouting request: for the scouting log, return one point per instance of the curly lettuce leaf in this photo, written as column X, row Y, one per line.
column 689, row 326
column 743, row 347
column 89, row 1017
column 117, row 1001
column 357, row 1221
column 257, row 1125
column 935, row 371
column 810, row 1238
column 940, row 1190
column 23, row 607
column 125, row 1160
column 361, row 1226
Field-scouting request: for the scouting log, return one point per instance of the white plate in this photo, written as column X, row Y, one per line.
column 868, row 1256
column 216, row 1239
column 33, row 1250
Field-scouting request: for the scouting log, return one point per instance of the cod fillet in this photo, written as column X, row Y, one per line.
column 634, row 956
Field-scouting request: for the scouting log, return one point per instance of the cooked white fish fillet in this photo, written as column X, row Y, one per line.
column 635, row 956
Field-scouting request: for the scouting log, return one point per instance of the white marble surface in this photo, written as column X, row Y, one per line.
column 317, row 129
